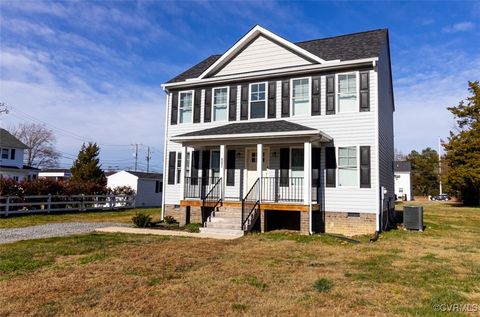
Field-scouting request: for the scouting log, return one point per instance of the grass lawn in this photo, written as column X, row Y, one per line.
column 125, row 216
column 404, row 273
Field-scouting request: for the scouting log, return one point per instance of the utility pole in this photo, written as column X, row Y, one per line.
column 148, row 159
column 136, row 156
column 440, row 165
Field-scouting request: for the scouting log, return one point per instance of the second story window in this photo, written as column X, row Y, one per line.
column 4, row 153
column 300, row 97
column 257, row 100
column 12, row 154
column 185, row 107
column 347, row 93
column 220, row 104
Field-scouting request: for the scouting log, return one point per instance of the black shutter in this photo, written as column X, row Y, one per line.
column 244, row 103
column 286, row 98
column 207, row 115
column 174, row 114
column 205, row 166
column 232, row 110
column 284, row 166
column 330, row 94
column 330, row 167
column 231, row 168
column 365, row 167
column 272, row 93
column 171, row 167
column 195, row 166
column 315, row 95
column 364, row 92
column 197, row 105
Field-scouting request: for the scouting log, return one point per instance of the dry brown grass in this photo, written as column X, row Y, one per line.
column 404, row 273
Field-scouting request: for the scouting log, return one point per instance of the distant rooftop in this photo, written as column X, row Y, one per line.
column 10, row 141
column 402, row 166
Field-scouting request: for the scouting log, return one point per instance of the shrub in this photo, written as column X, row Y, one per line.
column 193, row 227
column 122, row 190
column 141, row 220
column 323, row 285
column 169, row 220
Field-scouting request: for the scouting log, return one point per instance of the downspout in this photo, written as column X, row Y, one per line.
column 167, row 98
column 310, row 229
column 377, row 167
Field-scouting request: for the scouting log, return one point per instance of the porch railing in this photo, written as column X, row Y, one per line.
column 213, row 196
column 282, row 189
column 251, row 206
column 199, row 187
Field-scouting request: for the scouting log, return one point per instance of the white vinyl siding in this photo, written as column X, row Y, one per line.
column 347, row 166
column 185, row 107
column 347, row 92
column 258, row 100
column 220, row 104
column 300, row 96
column 262, row 54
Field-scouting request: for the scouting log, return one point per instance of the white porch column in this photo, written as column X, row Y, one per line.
column 182, row 172
column 260, row 168
column 307, row 173
column 222, row 171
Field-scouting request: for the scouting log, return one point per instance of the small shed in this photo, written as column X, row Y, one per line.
column 148, row 186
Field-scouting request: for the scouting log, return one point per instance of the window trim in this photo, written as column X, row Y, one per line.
column 309, row 114
column 357, row 185
column 337, row 92
column 250, row 99
column 213, row 103
column 179, row 102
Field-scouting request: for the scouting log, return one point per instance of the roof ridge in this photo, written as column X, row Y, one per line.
column 342, row 35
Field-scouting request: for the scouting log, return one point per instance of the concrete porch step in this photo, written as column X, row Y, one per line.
column 233, row 232
column 222, row 225
column 225, row 219
column 227, row 214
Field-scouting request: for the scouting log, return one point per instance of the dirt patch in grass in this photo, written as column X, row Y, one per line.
column 404, row 273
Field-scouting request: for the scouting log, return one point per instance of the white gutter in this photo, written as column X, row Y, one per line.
column 282, row 71
column 266, row 135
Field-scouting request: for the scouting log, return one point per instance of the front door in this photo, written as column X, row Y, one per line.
column 251, row 171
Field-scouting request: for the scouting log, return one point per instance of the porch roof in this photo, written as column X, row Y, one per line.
column 249, row 130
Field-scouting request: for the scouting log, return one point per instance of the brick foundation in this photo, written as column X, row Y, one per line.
column 349, row 225
column 184, row 215
column 304, row 223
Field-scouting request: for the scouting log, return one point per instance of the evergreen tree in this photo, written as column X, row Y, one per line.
column 86, row 168
column 425, row 179
column 463, row 148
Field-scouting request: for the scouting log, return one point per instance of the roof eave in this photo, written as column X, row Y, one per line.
column 263, row 135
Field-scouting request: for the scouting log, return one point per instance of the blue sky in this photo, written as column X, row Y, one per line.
column 92, row 70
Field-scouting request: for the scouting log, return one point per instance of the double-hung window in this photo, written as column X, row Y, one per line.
column 297, row 163
column 215, row 165
column 4, row 153
column 347, row 166
column 220, row 104
column 300, row 97
column 185, row 107
column 347, row 92
column 257, row 100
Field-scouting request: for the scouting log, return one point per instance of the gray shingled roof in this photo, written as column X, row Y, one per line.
column 402, row 166
column 344, row 47
column 251, row 127
column 8, row 140
column 147, row 175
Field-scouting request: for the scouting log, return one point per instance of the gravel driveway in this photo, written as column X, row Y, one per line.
column 52, row 230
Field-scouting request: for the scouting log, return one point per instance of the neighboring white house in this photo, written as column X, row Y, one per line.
column 148, row 186
column 294, row 135
column 11, row 158
column 403, row 180
column 55, row 173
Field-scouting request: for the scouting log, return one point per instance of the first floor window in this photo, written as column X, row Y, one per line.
column 185, row 106
column 257, row 100
column 300, row 97
column 187, row 165
column 297, row 163
column 347, row 166
column 179, row 167
column 4, row 153
column 215, row 165
column 347, row 93
column 220, row 104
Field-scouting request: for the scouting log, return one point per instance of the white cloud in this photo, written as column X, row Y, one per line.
column 459, row 27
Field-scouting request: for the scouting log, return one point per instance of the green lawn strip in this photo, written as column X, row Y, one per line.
column 123, row 216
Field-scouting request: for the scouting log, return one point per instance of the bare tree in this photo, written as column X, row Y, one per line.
column 40, row 140
column 399, row 156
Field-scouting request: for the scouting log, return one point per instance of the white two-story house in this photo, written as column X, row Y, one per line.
column 11, row 158
column 280, row 135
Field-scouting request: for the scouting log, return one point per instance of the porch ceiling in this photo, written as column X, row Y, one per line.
column 252, row 131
